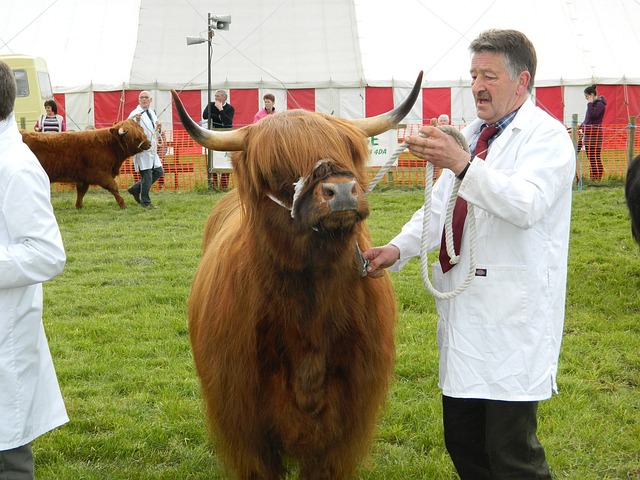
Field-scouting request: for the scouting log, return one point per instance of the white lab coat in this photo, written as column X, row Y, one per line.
column 31, row 252
column 147, row 159
column 500, row 339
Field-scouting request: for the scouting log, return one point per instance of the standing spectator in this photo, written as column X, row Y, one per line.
column 443, row 119
column 269, row 107
column 51, row 122
column 32, row 252
column 499, row 340
column 592, row 131
column 222, row 114
column 147, row 162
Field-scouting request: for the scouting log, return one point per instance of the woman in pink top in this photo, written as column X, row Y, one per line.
column 269, row 107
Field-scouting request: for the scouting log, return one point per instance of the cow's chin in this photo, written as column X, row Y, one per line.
column 339, row 223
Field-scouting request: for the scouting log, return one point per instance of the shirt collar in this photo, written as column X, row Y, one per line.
column 502, row 123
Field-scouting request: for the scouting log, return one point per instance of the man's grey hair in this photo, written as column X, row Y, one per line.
column 519, row 52
column 223, row 93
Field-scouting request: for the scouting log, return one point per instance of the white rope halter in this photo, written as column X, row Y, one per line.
column 299, row 185
column 426, row 220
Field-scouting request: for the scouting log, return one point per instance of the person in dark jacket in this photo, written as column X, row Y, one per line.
column 222, row 114
column 592, row 131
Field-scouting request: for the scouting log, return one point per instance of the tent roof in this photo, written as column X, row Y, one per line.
column 578, row 42
column 306, row 43
column 135, row 44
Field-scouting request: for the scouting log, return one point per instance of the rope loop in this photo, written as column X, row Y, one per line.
column 426, row 219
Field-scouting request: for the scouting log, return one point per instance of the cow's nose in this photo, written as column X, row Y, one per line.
column 340, row 196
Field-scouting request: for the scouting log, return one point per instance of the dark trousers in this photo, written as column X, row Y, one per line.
column 147, row 178
column 17, row 463
column 493, row 440
column 593, row 146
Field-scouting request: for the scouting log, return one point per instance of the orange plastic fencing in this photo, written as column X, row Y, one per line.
column 185, row 162
column 614, row 153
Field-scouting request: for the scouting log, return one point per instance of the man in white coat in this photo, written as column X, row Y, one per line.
column 31, row 252
column 147, row 162
column 499, row 340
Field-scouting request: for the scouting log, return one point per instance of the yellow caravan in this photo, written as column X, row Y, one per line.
column 34, row 87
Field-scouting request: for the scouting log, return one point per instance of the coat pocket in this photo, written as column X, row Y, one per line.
column 498, row 295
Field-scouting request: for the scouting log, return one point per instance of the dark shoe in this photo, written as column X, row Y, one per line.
column 136, row 195
column 150, row 206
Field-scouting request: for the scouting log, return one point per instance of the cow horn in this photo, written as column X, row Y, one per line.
column 386, row 121
column 220, row 141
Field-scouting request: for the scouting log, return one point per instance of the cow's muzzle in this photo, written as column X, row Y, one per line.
column 340, row 196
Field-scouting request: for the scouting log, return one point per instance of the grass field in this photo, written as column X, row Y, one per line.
column 117, row 328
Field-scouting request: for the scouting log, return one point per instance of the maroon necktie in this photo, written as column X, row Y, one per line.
column 460, row 209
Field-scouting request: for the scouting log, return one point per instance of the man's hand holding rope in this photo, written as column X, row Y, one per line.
column 438, row 148
column 443, row 147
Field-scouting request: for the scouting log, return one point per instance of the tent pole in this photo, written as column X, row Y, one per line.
column 209, row 120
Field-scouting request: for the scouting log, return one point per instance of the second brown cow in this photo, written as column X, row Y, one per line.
column 89, row 157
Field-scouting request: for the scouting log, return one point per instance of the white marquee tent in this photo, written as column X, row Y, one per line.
column 345, row 57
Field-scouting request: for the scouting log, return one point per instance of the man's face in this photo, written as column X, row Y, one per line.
column 495, row 94
column 144, row 99
column 218, row 97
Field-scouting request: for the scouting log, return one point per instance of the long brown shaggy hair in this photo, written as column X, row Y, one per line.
column 294, row 349
column 286, row 146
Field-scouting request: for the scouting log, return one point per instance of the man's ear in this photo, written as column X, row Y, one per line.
column 523, row 81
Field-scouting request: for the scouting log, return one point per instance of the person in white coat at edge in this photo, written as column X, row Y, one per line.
column 31, row 252
column 498, row 341
column 147, row 162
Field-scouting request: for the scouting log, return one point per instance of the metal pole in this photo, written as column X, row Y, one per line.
column 574, row 139
column 209, row 120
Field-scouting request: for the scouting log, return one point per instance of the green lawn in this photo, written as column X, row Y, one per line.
column 117, row 328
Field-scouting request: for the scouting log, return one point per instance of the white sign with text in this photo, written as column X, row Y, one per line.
column 381, row 147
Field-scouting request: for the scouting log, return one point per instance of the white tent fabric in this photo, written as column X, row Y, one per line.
column 87, row 45
column 337, row 47
column 106, row 45
column 111, row 44
column 578, row 42
column 270, row 44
